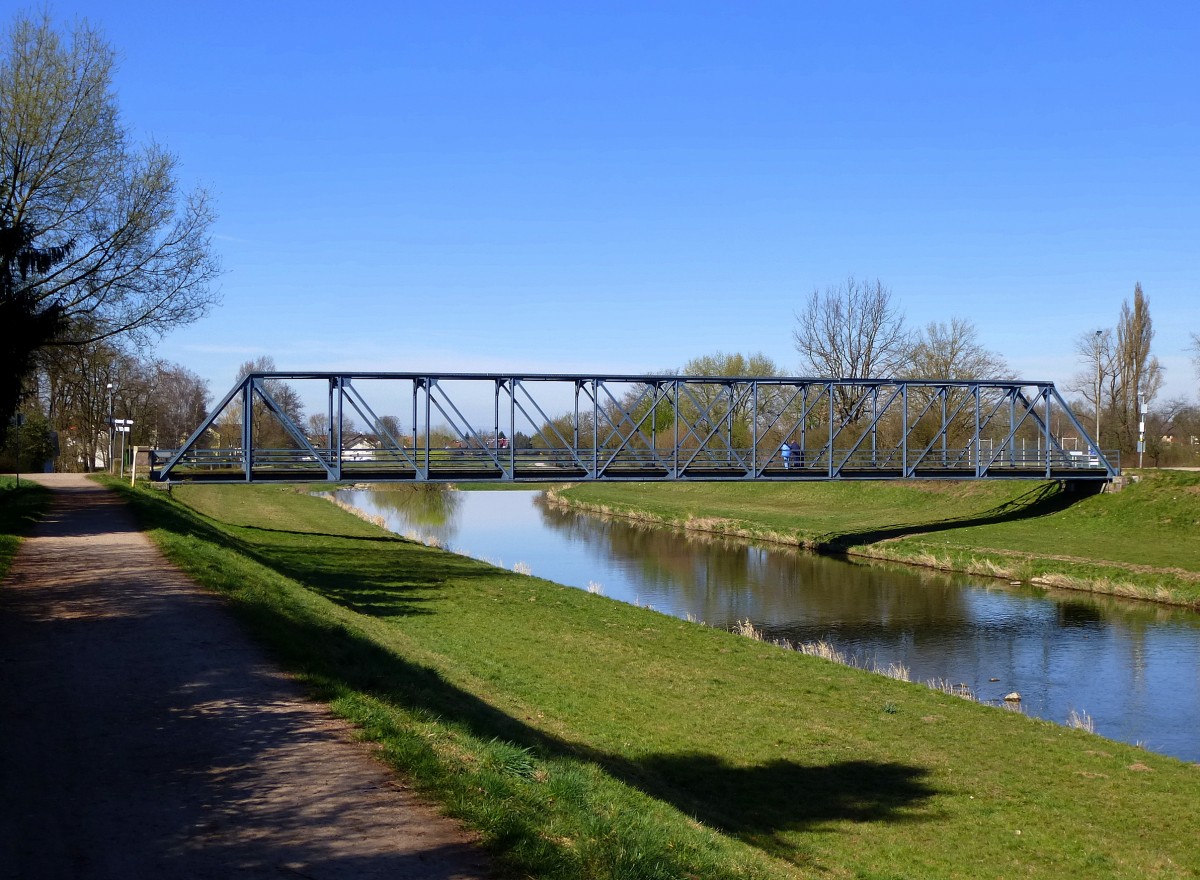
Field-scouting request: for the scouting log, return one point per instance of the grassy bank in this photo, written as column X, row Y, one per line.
column 20, row 507
column 585, row 738
column 1142, row 542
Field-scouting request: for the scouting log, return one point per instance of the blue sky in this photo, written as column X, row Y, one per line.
column 620, row 187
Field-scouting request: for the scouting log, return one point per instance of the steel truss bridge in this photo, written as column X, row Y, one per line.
column 553, row 428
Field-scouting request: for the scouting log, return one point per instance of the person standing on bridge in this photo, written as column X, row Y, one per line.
column 786, row 452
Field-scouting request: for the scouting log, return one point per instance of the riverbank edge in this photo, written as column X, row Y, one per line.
column 1174, row 587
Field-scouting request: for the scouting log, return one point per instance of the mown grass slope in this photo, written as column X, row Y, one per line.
column 586, row 738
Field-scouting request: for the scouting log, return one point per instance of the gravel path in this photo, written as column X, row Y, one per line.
column 143, row 735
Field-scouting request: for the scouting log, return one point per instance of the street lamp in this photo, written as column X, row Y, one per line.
column 1099, row 333
column 111, row 426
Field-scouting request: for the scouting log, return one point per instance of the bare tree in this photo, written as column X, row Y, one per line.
column 952, row 351
column 78, row 391
column 389, row 425
column 1096, row 381
column 1118, row 367
column 178, row 402
column 1173, row 432
column 851, row 331
column 80, row 388
column 267, row 429
column 123, row 251
column 1139, row 374
column 317, row 427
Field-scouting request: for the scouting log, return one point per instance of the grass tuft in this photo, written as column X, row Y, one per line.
column 1081, row 721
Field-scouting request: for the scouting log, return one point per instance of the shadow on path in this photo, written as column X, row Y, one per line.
column 144, row 735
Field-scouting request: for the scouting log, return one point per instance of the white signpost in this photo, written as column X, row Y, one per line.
column 122, row 426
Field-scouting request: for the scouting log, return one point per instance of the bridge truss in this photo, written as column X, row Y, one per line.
column 460, row 427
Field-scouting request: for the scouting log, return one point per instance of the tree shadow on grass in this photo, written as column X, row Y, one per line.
column 365, row 574
column 375, row 539
column 376, row 585
column 761, row 804
column 765, row 805
column 1042, row 500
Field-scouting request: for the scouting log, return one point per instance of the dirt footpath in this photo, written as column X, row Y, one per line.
column 142, row 735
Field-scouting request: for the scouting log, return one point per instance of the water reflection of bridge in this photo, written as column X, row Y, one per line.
column 553, row 428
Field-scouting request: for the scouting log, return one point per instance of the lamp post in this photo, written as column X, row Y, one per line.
column 1099, row 333
column 111, row 426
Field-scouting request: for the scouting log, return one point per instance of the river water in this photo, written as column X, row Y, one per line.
column 1133, row 668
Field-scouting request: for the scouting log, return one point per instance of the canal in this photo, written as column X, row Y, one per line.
column 1132, row 668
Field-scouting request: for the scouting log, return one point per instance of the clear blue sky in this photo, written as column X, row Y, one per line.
column 619, row 187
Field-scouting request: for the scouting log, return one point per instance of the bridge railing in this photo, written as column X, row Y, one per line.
column 544, row 428
column 551, row 465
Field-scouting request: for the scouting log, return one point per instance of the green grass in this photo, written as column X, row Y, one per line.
column 1142, row 542
column 20, row 508
column 585, row 738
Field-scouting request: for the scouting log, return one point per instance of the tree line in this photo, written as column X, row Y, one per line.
column 855, row 329
column 100, row 250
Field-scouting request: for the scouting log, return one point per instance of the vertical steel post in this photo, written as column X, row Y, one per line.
column 944, row 393
column 1046, row 430
column 803, row 420
column 512, row 426
column 675, row 403
column 978, row 435
column 754, row 430
column 336, row 460
column 428, row 382
column 875, row 426
column 575, row 426
column 654, row 421
column 415, row 384
column 596, row 427
column 329, row 433
column 729, row 424
column 247, row 419
column 1012, row 427
column 829, row 390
